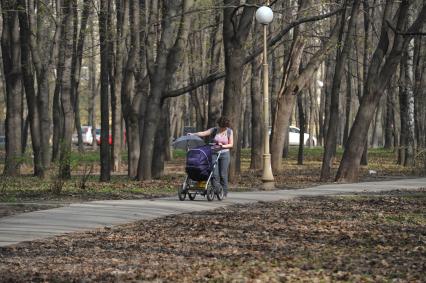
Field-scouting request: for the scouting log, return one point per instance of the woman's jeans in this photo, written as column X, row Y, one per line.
column 221, row 170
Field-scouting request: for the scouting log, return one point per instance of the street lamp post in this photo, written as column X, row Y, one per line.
column 264, row 16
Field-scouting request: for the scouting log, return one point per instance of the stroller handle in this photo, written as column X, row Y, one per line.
column 215, row 147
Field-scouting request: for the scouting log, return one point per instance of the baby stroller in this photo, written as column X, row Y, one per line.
column 200, row 179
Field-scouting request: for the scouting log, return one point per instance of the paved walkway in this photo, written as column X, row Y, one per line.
column 91, row 215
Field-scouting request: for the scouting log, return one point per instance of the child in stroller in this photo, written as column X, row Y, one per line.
column 200, row 177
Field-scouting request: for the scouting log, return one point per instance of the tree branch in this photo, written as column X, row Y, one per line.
column 271, row 42
column 404, row 33
column 414, row 29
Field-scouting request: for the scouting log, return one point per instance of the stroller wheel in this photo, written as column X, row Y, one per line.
column 219, row 193
column 192, row 196
column 182, row 193
column 210, row 193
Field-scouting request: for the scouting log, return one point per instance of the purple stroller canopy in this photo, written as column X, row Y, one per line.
column 199, row 163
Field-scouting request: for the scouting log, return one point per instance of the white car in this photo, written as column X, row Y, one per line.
column 294, row 134
column 294, row 137
column 86, row 132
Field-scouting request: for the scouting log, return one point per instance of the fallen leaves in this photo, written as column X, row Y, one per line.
column 361, row 238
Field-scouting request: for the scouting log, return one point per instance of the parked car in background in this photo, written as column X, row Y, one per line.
column 98, row 137
column 294, row 137
column 87, row 136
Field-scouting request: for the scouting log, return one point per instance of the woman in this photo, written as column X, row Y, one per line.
column 224, row 137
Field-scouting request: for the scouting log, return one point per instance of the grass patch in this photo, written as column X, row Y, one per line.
column 27, row 188
column 293, row 176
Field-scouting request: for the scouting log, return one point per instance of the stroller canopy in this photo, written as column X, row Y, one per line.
column 199, row 163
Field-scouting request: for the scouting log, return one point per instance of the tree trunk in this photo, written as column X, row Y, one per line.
column 302, row 123
column 234, row 39
column 381, row 71
column 331, row 138
column 161, row 143
column 246, row 122
column 93, row 88
column 409, row 80
column 214, row 88
column 42, row 66
column 389, row 127
column 167, row 62
column 348, row 103
column 66, row 52
column 403, row 113
column 75, row 72
column 294, row 82
column 256, row 160
column 131, row 102
column 329, row 66
column 58, row 115
column 420, row 90
column 28, row 79
column 377, row 139
column 11, row 55
column 116, row 103
column 104, row 32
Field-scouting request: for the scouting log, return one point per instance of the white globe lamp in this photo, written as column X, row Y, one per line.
column 264, row 15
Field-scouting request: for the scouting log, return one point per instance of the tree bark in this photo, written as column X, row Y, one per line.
column 420, row 89
column 302, row 124
column 331, row 138
column 66, row 52
column 168, row 59
column 116, row 103
column 132, row 100
column 403, row 112
column 389, row 127
column 214, row 88
column 256, row 159
column 409, row 80
column 296, row 82
column 42, row 67
column 348, row 104
column 234, row 37
column 104, row 54
column 382, row 68
column 92, row 86
column 161, row 143
column 11, row 54
column 30, row 93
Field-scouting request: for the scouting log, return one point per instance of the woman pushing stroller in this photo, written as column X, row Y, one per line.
column 223, row 137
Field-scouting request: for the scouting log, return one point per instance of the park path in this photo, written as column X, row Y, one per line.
column 96, row 214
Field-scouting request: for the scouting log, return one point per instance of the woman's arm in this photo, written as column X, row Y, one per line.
column 202, row 134
column 230, row 143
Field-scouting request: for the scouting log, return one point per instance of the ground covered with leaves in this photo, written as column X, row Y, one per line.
column 363, row 238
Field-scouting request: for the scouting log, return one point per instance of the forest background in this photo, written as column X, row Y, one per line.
column 352, row 74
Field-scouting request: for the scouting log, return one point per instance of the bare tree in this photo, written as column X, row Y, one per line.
column 169, row 54
column 382, row 68
column 30, row 93
column 105, row 8
column 293, row 82
column 214, row 88
column 66, row 52
column 342, row 54
column 235, row 32
column 11, row 54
